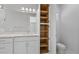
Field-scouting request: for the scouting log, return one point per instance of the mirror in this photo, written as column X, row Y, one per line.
column 19, row 18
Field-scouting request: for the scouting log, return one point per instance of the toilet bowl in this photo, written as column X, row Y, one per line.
column 60, row 48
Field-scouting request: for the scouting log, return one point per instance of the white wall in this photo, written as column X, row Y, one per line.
column 52, row 26
column 70, row 28
column 58, row 22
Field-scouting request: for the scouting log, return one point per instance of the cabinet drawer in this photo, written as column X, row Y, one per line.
column 6, row 45
column 6, row 48
column 5, row 41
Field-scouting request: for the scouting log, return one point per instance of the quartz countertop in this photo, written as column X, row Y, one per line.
column 17, row 34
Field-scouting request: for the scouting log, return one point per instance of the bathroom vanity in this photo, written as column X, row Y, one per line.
column 19, row 30
column 19, row 43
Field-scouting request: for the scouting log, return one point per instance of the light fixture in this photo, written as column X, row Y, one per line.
column 30, row 9
column 22, row 8
column 1, row 6
column 33, row 10
column 26, row 9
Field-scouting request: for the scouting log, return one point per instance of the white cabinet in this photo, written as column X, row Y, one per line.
column 26, row 45
column 6, row 46
column 33, row 47
column 20, row 45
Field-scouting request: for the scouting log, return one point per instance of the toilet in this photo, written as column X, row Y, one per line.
column 60, row 48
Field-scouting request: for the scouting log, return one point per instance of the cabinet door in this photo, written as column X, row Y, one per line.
column 20, row 45
column 6, row 46
column 26, row 45
column 33, row 46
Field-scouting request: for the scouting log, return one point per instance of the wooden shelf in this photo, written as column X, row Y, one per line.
column 44, row 30
column 44, row 45
column 44, row 12
column 42, row 17
column 43, row 51
column 44, row 7
column 43, row 38
column 44, row 27
column 44, row 34
column 44, row 23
